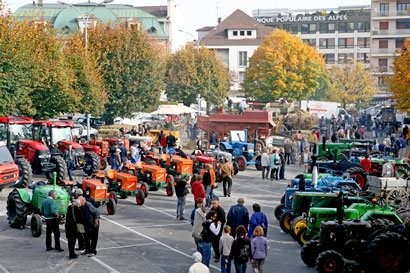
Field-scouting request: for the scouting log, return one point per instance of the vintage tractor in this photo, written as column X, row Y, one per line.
column 124, row 185
column 9, row 171
column 97, row 194
column 21, row 203
column 29, row 155
column 174, row 164
column 58, row 132
column 101, row 148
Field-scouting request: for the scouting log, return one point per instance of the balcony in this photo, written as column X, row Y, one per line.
column 383, row 52
column 382, row 70
column 391, row 14
column 390, row 33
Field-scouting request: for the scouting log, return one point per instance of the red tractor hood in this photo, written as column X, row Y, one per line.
column 35, row 145
column 74, row 144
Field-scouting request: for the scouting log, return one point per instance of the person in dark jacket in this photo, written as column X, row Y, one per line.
column 91, row 218
column 124, row 152
column 204, row 244
column 258, row 218
column 180, row 192
column 73, row 218
column 220, row 214
column 237, row 215
column 241, row 250
column 206, row 181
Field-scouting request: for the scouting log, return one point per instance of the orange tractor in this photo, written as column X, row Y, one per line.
column 9, row 171
column 96, row 192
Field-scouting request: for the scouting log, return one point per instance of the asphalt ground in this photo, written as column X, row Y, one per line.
column 148, row 239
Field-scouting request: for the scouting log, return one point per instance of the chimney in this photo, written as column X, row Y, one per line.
column 40, row 3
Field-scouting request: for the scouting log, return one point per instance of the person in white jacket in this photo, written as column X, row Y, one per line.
column 198, row 266
column 265, row 162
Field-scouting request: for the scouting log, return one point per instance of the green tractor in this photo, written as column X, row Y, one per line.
column 21, row 203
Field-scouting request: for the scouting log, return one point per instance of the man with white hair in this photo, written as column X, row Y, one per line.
column 198, row 266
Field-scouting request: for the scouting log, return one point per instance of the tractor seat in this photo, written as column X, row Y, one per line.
column 33, row 185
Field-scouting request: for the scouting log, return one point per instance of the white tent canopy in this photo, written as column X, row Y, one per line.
column 173, row 110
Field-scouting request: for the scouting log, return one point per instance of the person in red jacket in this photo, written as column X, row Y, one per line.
column 366, row 163
column 197, row 188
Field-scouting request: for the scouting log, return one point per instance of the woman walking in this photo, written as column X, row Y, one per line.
column 258, row 218
column 259, row 249
column 241, row 250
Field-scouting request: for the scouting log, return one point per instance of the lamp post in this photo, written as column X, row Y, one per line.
column 193, row 37
column 85, row 18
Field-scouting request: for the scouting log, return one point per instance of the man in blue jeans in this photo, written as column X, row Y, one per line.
column 69, row 157
column 201, row 233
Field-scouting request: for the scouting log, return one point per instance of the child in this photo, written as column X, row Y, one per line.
column 259, row 247
column 225, row 244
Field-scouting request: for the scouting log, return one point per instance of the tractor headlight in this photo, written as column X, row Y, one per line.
column 87, row 192
column 312, row 220
column 148, row 175
column 332, row 235
column 119, row 183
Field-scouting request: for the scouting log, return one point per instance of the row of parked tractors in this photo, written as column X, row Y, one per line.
column 342, row 228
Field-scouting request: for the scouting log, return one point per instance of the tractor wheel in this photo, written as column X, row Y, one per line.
column 60, row 169
column 241, row 160
column 170, row 185
column 309, row 253
column 381, row 223
column 285, row 221
column 258, row 163
column 330, row 262
column 402, row 172
column 36, row 225
column 353, row 268
column 144, row 187
column 235, row 168
column 111, row 206
column 91, row 163
column 17, row 210
column 297, row 224
column 358, row 174
column 302, row 237
column 103, row 164
column 389, row 252
column 282, row 199
column 140, row 198
column 279, row 211
column 25, row 172
column 113, row 195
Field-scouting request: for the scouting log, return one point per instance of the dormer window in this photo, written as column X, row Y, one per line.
column 241, row 34
column 249, row 33
column 133, row 24
column 83, row 22
column 235, row 33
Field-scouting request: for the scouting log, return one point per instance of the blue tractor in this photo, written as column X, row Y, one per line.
column 242, row 152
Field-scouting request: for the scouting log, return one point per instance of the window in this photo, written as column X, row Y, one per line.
column 345, row 58
column 342, row 27
column 312, row 28
column 134, row 26
column 346, row 42
column 327, row 43
column 383, row 43
column 305, row 28
column 241, row 77
column 311, row 42
column 402, row 6
column 403, row 24
column 380, row 81
column 363, row 26
column 350, row 27
column 383, row 25
column 382, row 65
column 331, row 27
column 243, row 58
column 363, row 42
column 399, row 42
column 249, row 33
column 363, row 58
column 327, row 27
column 384, row 9
column 242, row 33
column 329, row 58
column 291, row 28
column 235, row 33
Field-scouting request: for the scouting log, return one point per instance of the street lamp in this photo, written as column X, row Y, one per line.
column 193, row 37
column 85, row 18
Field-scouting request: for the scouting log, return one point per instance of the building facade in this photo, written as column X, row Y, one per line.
column 390, row 23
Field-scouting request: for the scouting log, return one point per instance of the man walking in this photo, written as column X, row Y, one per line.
column 265, row 164
column 206, row 180
column 180, row 192
column 226, row 172
column 237, row 215
column 50, row 213
column 91, row 218
column 69, row 158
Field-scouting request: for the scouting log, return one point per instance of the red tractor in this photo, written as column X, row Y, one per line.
column 29, row 155
column 58, row 134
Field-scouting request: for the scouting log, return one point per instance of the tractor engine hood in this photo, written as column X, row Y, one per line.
column 35, row 145
column 75, row 145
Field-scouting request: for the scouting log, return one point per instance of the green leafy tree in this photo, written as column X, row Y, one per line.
column 283, row 66
column 196, row 71
column 132, row 66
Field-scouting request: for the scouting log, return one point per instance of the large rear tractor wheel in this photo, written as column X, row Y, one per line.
column 235, row 168
column 60, row 169
column 279, row 210
column 285, row 222
column 25, row 172
column 330, row 262
column 144, row 187
column 91, row 163
column 103, row 164
column 241, row 160
column 389, row 252
column 140, row 198
column 17, row 210
column 297, row 224
column 36, row 225
column 258, row 163
column 309, row 253
column 358, row 174
column 170, row 185
column 111, row 206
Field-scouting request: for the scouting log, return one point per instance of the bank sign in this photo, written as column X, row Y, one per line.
column 303, row 18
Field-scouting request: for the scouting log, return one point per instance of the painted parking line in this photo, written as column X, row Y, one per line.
column 3, row 213
column 154, row 240
column 164, row 225
column 3, row 269
column 127, row 246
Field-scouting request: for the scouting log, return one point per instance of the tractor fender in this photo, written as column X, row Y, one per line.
column 227, row 145
column 385, row 214
column 25, row 196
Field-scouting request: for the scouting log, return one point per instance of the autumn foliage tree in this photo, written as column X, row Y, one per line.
column 132, row 66
column 283, row 66
column 196, row 71
column 399, row 83
column 351, row 83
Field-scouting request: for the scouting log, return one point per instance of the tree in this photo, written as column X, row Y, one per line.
column 283, row 66
column 132, row 66
column 399, row 83
column 87, row 81
column 351, row 83
column 196, row 71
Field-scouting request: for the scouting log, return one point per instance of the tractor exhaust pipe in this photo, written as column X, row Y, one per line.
column 340, row 208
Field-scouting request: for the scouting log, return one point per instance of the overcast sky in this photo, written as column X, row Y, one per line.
column 199, row 13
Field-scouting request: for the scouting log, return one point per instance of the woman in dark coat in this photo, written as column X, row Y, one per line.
column 72, row 218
